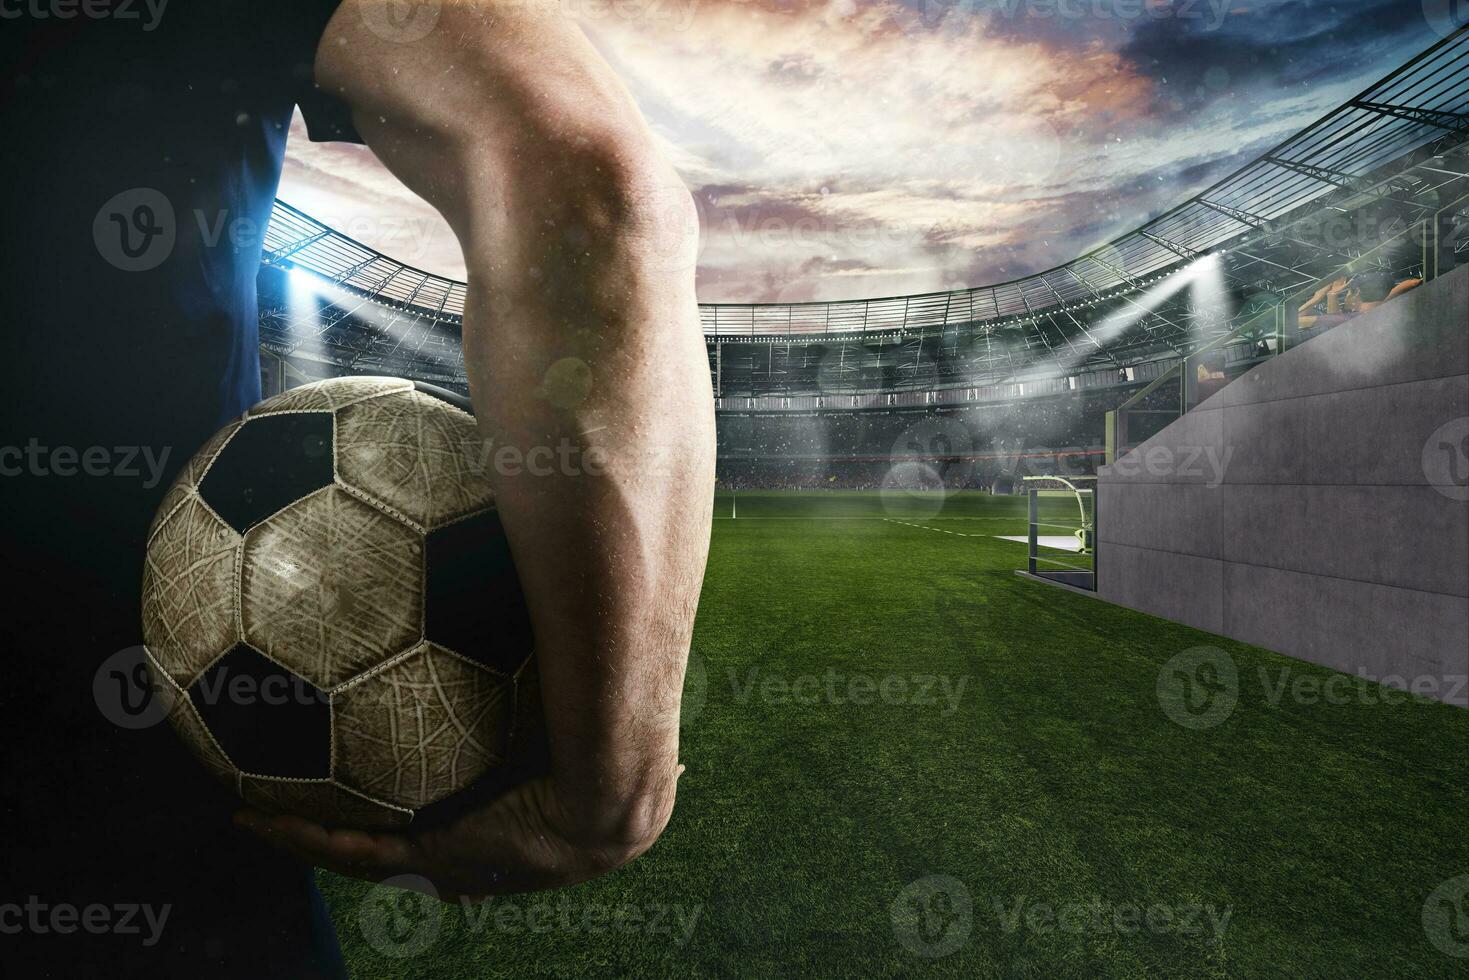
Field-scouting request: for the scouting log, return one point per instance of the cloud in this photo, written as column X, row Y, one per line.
column 839, row 148
column 859, row 138
column 1274, row 47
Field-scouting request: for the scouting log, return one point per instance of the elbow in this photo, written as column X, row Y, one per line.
column 615, row 833
column 606, row 856
column 610, row 200
column 623, row 183
column 641, row 823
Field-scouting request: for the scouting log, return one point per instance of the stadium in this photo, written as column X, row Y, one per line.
column 820, row 395
column 1109, row 621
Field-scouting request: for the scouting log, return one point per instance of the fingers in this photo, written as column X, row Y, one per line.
column 296, row 841
column 352, row 853
column 355, row 853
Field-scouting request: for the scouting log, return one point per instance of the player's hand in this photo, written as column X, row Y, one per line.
column 521, row 841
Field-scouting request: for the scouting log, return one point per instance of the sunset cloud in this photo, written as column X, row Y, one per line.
column 840, row 149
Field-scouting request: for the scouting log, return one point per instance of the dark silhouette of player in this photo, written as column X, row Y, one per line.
column 139, row 159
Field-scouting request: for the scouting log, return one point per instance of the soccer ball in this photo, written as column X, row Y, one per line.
column 331, row 611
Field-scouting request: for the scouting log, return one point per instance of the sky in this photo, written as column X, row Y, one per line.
column 839, row 149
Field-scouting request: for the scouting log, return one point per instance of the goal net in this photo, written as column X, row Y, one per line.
column 1061, row 536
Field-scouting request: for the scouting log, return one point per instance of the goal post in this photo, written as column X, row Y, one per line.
column 1061, row 534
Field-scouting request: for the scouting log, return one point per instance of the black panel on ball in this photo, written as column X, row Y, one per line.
column 269, row 721
column 474, row 604
column 271, row 462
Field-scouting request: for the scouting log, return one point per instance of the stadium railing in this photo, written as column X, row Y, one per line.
column 1264, row 335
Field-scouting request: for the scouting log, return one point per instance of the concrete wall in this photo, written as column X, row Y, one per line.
column 1309, row 508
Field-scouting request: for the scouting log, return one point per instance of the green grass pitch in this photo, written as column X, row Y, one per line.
column 905, row 760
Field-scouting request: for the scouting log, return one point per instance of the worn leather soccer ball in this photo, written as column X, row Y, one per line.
column 331, row 610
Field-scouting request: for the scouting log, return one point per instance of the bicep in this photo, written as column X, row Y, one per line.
column 452, row 104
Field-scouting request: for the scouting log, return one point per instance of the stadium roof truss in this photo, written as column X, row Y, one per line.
column 1406, row 135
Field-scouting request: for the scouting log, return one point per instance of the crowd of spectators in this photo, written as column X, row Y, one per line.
column 974, row 448
column 985, row 476
column 1337, row 301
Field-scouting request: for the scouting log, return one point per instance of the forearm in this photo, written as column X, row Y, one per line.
column 609, row 542
column 588, row 373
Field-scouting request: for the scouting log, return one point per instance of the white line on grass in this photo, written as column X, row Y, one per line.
column 941, row 530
